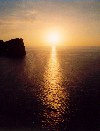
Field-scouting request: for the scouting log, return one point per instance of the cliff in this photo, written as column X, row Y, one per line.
column 12, row 48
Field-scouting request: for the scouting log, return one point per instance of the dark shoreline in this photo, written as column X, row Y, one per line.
column 12, row 48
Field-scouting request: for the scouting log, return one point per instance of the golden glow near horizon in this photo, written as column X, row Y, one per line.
column 78, row 20
column 53, row 38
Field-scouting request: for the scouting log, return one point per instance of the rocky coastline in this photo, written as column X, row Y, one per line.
column 12, row 48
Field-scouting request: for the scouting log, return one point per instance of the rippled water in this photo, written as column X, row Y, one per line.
column 51, row 89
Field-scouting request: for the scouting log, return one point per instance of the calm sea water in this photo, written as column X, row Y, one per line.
column 51, row 89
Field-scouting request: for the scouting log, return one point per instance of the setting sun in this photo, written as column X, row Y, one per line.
column 53, row 38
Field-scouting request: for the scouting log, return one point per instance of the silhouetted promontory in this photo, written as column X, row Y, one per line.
column 12, row 48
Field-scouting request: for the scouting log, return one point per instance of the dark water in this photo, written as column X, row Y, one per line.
column 51, row 89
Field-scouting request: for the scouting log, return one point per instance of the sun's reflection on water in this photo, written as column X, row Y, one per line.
column 54, row 95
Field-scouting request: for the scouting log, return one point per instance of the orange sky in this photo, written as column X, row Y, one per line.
column 77, row 21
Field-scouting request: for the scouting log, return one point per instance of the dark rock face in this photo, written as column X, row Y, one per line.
column 12, row 48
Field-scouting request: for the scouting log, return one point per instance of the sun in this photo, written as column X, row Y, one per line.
column 53, row 38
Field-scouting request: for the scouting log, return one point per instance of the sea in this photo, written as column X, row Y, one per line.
column 51, row 89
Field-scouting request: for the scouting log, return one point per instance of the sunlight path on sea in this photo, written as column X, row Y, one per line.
column 54, row 95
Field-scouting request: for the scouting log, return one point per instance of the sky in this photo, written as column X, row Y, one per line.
column 77, row 21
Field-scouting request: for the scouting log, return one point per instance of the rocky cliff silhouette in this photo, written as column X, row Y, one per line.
column 12, row 48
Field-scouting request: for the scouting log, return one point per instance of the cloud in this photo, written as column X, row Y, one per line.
column 15, row 12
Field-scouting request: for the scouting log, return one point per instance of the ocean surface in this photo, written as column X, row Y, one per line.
column 54, row 89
